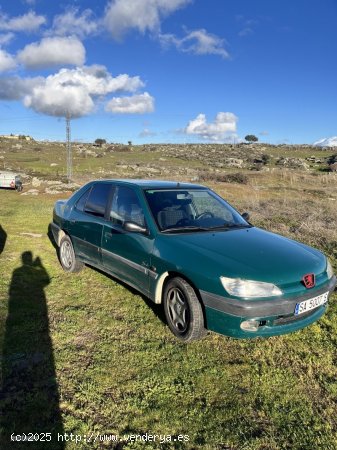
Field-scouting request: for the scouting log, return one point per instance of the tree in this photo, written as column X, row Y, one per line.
column 100, row 141
column 251, row 138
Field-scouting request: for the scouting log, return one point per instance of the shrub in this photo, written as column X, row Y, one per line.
column 265, row 158
column 332, row 159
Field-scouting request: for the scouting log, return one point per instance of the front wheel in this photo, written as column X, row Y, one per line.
column 183, row 310
column 68, row 259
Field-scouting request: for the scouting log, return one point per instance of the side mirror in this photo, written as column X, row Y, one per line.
column 133, row 227
column 245, row 216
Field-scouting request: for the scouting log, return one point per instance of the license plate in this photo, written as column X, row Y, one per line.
column 311, row 303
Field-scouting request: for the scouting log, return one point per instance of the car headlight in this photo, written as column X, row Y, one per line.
column 249, row 288
column 329, row 269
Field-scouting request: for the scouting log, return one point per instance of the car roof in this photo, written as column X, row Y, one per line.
column 154, row 184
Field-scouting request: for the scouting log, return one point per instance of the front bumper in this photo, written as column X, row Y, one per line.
column 224, row 315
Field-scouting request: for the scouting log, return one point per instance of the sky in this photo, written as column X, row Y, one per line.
column 169, row 71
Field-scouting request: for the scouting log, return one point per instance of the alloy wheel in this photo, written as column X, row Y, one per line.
column 178, row 309
column 66, row 254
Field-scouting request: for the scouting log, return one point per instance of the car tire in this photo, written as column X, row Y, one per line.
column 183, row 311
column 67, row 256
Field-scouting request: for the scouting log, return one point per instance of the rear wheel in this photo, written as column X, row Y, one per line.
column 183, row 310
column 68, row 259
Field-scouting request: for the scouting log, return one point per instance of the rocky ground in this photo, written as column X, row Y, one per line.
column 42, row 164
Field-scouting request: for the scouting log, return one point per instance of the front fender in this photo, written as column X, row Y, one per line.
column 168, row 257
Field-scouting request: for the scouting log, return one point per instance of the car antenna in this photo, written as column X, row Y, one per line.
column 178, row 184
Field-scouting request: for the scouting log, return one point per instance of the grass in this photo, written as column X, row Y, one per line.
column 84, row 354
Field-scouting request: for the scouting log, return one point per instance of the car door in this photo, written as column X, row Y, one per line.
column 127, row 254
column 87, row 222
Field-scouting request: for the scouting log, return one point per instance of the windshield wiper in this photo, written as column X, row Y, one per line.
column 196, row 228
column 182, row 229
column 227, row 227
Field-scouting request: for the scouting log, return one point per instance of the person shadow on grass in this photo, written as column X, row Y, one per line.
column 3, row 237
column 29, row 400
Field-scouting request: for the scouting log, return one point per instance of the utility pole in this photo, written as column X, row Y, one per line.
column 69, row 152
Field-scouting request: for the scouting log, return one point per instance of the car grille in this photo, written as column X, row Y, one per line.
column 289, row 319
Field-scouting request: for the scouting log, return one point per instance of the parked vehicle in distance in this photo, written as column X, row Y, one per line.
column 10, row 180
column 186, row 248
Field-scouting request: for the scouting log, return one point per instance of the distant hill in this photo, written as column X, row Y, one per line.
column 327, row 142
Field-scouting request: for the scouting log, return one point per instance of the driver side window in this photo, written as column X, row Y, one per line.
column 126, row 207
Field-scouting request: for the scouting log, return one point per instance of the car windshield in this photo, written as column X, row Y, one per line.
column 179, row 210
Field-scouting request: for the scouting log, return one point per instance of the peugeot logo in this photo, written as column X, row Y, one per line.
column 309, row 280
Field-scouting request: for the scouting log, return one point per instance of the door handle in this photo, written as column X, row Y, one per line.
column 107, row 236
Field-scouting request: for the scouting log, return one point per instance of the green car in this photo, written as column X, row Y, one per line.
column 185, row 247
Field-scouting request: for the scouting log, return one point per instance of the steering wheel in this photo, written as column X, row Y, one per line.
column 204, row 215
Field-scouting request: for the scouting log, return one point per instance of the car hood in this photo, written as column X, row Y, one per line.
column 249, row 253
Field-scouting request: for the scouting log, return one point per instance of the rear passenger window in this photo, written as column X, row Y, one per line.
column 81, row 202
column 97, row 199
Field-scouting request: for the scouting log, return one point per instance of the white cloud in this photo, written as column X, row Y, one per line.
column 147, row 133
column 142, row 15
column 72, row 22
column 198, row 42
column 55, row 99
column 51, row 52
column 6, row 38
column 100, row 82
column 248, row 25
column 15, row 88
column 75, row 91
column 136, row 104
column 7, row 62
column 27, row 22
column 246, row 32
column 223, row 125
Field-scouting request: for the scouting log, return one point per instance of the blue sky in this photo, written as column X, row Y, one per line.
column 169, row 70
